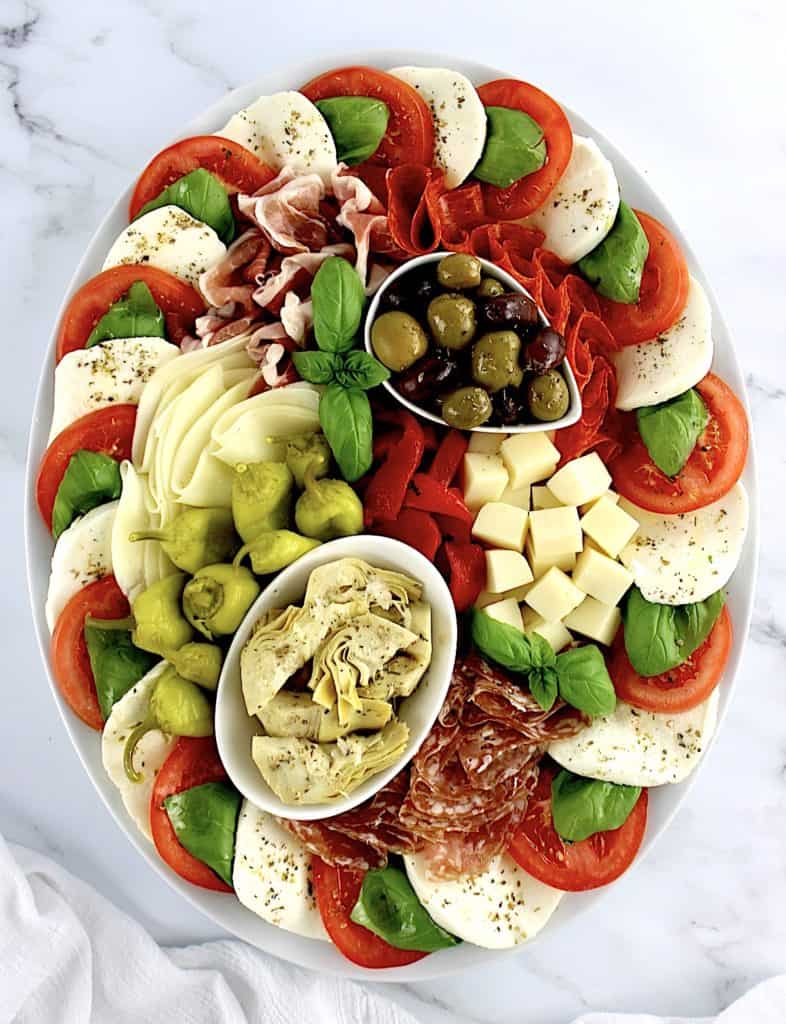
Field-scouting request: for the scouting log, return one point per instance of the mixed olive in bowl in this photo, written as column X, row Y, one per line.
column 467, row 346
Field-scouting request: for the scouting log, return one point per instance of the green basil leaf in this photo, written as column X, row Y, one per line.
column 345, row 416
column 135, row 315
column 614, row 267
column 581, row 807
column 659, row 637
column 584, row 681
column 116, row 663
column 204, row 197
column 205, row 820
column 317, row 367
column 671, row 429
column 357, row 124
column 388, row 906
column 544, row 686
column 90, row 479
column 508, row 646
column 362, row 370
column 515, row 146
column 337, row 297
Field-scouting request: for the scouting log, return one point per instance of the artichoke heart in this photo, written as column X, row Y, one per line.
column 296, row 715
column 401, row 675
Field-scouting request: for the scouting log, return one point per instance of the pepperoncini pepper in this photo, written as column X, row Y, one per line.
column 328, row 509
column 216, row 600
column 274, row 550
column 160, row 625
column 198, row 662
column 261, row 498
column 197, row 537
column 307, row 451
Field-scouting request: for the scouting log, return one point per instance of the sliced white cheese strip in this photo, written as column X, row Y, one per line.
column 272, row 874
column 82, row 555
column 639, row 748
column 170, row 239
column 670, row 364
column 251, row 431
column 136, row 566
column 685, row 558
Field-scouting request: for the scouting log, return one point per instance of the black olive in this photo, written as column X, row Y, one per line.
column 511, row 311
column 395, row 299
column 428, row 378
column 424, row 287
column 544, row 352
column 508, row 406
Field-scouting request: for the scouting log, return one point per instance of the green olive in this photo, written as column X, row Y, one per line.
column 452, row 320
column 466, row 408
column 547, row 396
column 489, row 287
column 495, row 360
column 398, row 340
column 459, row 270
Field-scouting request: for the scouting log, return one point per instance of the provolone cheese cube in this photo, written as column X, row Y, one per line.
column 601, row 577
column 554, row 595
column 506, row 570
column 506, row 611
column 487, row 597
column 484, row 479
column 539, row 566
column 609, row 526
column 594, row 619
column 580, row 480
column 587, row 505
column 555, row 531
column 528, row 458
column 485, row 444
column 501, row 526
column 554, row 632
column 516, row 496
column 543, row 498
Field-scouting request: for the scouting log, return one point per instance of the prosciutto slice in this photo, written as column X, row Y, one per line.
column 223, row 283
column 362, row 214
column 287, row 211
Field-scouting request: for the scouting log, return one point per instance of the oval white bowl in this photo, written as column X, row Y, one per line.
column 235, row 728
column 574, row 409
column 225, row 910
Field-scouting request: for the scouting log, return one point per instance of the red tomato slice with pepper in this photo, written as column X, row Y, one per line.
column 336, row 891
column 109, row 431
column 530, row 192
column 713, row 467
column 681, row 688
column 179, row 302
column 236, row 168
column 663, row 293
column 574, row 867
column 192, row 762
column 101, row 599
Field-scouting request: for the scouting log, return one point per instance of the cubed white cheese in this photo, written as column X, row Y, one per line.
column 554, row 595
column 485, row 444
column 543, row 498
column 601, row 577
column 484, row 479
column 516, row 496
column 529, row 458
column 506, row 611
column 594, row 619
column 587, row 505
column 608, row 525
column 555, row 531
column 539, row 566
column 506, row 570
column 501, row 526
column 554, row 632
column 580, row 480
column 487, row 597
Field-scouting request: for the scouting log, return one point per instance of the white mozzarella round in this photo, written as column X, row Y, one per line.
column 150, row 754
column 272, row 874
column 670, row 364
column 639, row 748
column 498, row 909
column 82, row 555
column 170, row 239
column 459, row 118
column 581, row 207
column 285, row 130
column 111, row 373
column 685, row 558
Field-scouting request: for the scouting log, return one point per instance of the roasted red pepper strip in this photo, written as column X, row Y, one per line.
column 430, row 439
column 454, row 529
column 418, row 529
column 388, row 487
column 448, row 458
column 467, row 563
column 428, row 495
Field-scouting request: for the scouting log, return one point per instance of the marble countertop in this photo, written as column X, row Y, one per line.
column 692, row 93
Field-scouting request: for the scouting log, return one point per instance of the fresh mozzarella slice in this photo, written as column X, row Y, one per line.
column 459, row 118
column 498, row 909
column 639, row 748
column 83, row 554
column 685, row 558
column 670, row 364
column 170, row 239
column 136, row 566
column 285, row 130
column 150, row 754
column 107, row 374
column 581, row 207
column 272, row 874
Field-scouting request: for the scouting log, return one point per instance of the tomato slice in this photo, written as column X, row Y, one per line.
column 236, row 168
column 102, row 599
column 574, row 867
column 663, row 293
column 192, row 762
column 109, row 431
column 179, row 302
column 681, row 688
column 713, row 467
column 525, row 196
column 336, row 891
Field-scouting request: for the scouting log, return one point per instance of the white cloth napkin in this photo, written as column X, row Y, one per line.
column 68, row 955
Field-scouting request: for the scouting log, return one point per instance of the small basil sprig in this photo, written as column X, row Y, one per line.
column 338, row 298
column 357, row 124
column 584, row 681
column 615, row 265
column 659, row 637
column 671, row 429
column 135, row 315
column 515, row 146
column 516, row 651
column 116, row 663
column 389, row 907
column 91, row 479
column 203, row 196
column 581, row 807
column 205, row 821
